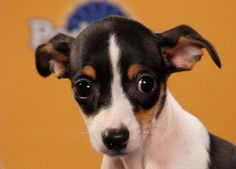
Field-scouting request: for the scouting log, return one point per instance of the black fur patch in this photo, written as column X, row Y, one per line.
column 222, row 154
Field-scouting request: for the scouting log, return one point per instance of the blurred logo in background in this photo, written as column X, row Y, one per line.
column 42, row 30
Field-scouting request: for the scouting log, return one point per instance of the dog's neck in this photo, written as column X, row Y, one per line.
column 177, row 140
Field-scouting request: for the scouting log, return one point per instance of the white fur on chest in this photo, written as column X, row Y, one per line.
column 177, row 140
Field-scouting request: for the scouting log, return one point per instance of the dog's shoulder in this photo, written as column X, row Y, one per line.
column 222, row 154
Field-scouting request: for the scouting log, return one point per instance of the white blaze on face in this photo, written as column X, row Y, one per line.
column 119, row 113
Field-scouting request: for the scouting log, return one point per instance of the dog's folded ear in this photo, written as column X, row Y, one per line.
column 181, row 48
column 53, row 57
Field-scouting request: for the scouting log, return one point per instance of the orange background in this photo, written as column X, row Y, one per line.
column 40, row 125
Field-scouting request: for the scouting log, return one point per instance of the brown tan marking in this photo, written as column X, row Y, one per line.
column 145, row 116
column 89, row 71
column 133, row 71
column 54, row 53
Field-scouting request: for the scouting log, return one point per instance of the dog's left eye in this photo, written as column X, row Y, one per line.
column 146, row 84
column 83, row 89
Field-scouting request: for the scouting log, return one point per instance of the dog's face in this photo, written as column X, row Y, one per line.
column 118, row 69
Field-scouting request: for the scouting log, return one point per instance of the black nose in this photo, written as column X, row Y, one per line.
column 115, row 139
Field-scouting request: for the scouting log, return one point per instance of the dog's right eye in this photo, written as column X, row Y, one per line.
column 146, row 84
column 82, row 89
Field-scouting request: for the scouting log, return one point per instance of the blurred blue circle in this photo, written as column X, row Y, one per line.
column 91, row 12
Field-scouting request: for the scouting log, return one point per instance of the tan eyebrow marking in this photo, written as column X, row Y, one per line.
column 89, row 71
column 133, row 71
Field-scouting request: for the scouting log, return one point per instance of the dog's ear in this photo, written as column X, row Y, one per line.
column 53, row 57
column 181, row 48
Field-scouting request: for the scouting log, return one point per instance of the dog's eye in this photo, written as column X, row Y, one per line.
column 83, row 88
column 146, row 84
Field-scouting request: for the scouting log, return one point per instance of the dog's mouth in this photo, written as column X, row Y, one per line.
column 115, row 153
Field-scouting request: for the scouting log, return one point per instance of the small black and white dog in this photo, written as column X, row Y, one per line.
column 119, row 70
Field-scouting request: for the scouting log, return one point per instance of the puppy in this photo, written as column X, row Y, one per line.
column 118, row 69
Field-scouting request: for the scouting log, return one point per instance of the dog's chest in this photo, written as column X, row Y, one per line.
column 176, row 154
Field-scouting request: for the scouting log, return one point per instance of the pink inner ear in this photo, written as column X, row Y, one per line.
column 184, row 57
column 58, row 68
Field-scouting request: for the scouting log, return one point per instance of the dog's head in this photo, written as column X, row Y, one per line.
column 118, row 69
